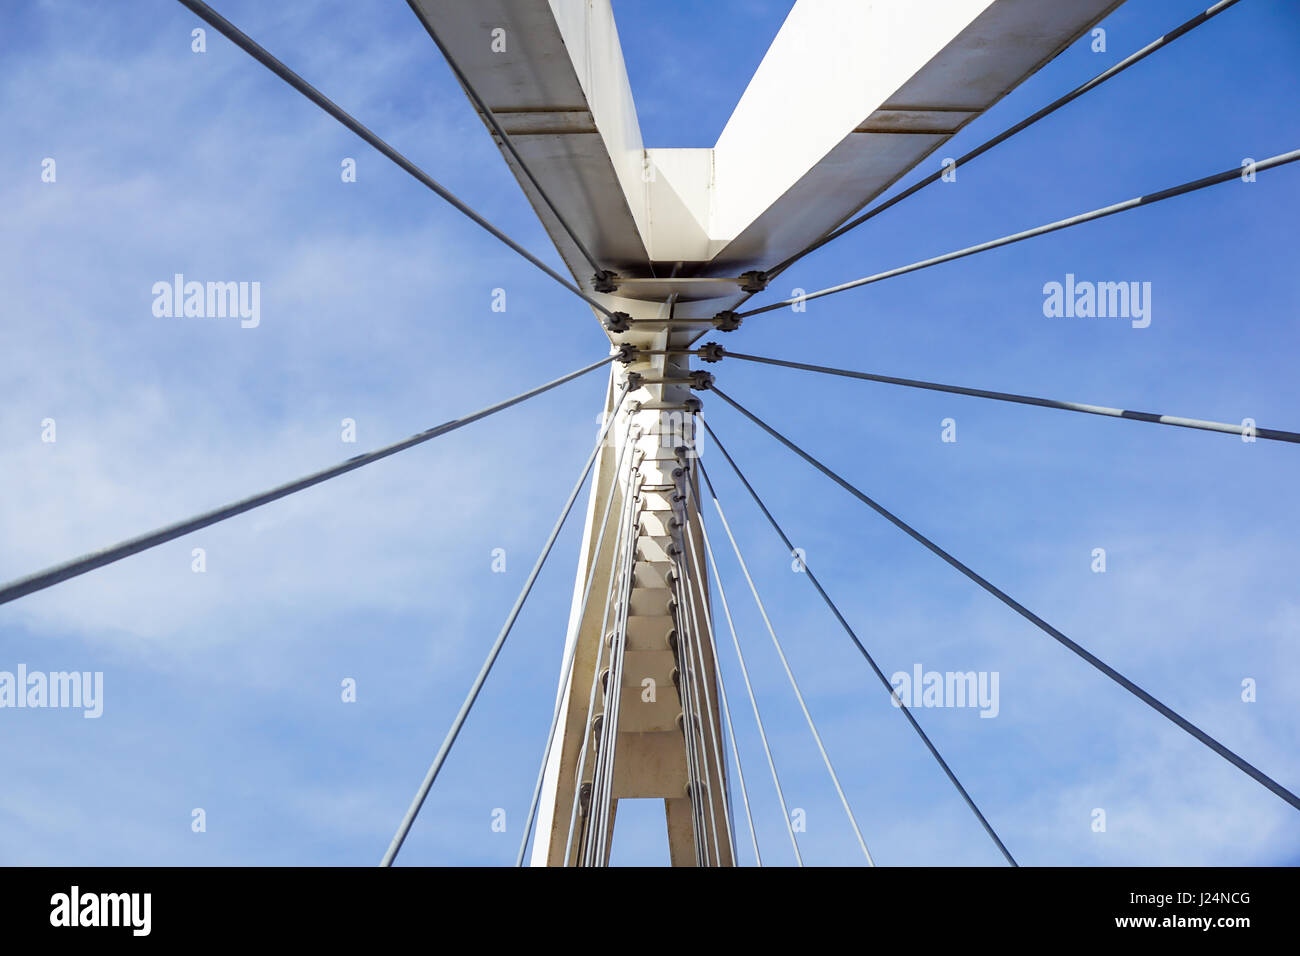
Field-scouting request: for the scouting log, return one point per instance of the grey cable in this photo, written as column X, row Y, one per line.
column 698, row 659
column 690, row 738
column 749, row 689
column 695, row 599
column 505, row 137
column 1226, row 427
column 615, row 572
column 97, row 559
column 1273, row 161
column 699, row 688
column 571, row 652
column 613, row 716
column 684, row 694
column 1176, row 718
column 264, row 57
column 731, row 729
column 907, row 712
column 413, row 811
column 788, row 672
column 598, row 839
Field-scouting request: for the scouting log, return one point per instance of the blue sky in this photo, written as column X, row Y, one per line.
column 222, row 690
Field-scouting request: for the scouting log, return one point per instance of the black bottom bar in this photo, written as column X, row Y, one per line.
column 914, row 908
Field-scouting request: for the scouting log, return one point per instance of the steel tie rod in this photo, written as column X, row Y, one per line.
column 830, row 769
column 598, row 846
column 697, row 638
column 689, row 633
column 414, row 810
column 907, row 711
column 1227, row 427
column 97, row 559
column 1265, row 164
column 620, row 547
column 1241, row 764
column 749, row 691
column 701, row 587
column 571, row 652
column 263, row 56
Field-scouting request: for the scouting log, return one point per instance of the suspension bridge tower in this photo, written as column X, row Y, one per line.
column 849, row 97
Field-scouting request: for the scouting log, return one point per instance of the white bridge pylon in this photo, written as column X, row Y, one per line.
column 850, row 96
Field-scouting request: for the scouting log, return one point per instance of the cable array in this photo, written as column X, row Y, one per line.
column 706, row 719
